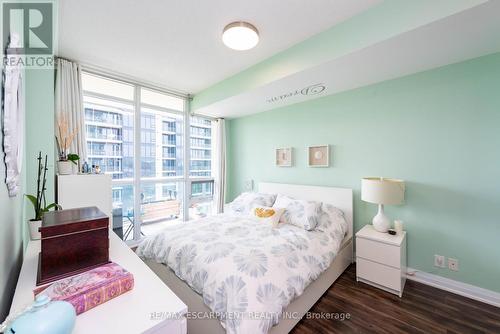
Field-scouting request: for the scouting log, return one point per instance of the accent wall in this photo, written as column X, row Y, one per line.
column 14, row 212
column 11, row 242
column 438, row 130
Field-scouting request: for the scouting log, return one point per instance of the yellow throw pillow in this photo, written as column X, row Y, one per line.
column 268, row 214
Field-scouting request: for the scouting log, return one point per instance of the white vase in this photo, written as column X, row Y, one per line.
column 74, row 168
column 65, row 167
column 34, row 226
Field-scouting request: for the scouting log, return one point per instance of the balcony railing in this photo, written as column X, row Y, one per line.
column 201, row 121
column 200, row 145
column 105, row 152
column 169, row 129
column 113, row 170
column 200, row 132
column 104, row 119
column 104, row 136
column 200, row 168
column 200, row 174
column 201, row 157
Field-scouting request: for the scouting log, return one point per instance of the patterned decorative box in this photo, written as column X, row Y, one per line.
column 91, row 288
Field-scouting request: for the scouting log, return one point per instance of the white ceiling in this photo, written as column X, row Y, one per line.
column 177, row 43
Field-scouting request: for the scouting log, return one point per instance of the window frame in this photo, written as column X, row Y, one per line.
column 137, row 180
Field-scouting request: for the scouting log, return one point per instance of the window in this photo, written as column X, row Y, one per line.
column 169, row 152
column 202, row 189
column 156, row 191
column 109, row 125
column 169, row 126
column 152, row 98
column 169, row 140
column 161, row 202
column 201, row 147
column 109, row 129
column 104, row 86
column 200, row 167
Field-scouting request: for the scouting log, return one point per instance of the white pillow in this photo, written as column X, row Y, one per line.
column 244, row 203
column 267, row 214
column 331, row 218
column 304, row 214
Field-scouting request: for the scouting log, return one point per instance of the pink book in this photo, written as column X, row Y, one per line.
column 91, row 288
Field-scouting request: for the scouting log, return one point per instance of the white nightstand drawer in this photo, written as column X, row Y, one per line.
column 378, row 273
column 379, row 252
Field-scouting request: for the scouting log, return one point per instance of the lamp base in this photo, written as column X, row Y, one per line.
column 381, row 222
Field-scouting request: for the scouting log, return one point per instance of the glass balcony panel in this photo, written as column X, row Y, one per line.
column 123, row 211
column 201, row 209
column 110, row 136
column 161, row 205
column 165, row 160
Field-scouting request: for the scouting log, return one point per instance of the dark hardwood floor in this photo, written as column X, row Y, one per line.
column 423, row 309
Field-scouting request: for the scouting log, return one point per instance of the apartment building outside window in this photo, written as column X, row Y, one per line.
column 156, row 190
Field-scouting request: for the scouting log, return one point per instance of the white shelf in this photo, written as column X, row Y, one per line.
column 129, row 313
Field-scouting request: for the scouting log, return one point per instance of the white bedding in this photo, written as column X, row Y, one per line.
column 246, row 271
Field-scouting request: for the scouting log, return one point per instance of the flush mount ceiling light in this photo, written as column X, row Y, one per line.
column 240, row 36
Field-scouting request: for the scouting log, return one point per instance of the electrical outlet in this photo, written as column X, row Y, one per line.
column 248, row 185
column 453, row 264
column 439, row 261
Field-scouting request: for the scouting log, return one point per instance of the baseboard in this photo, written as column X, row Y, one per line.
column 459, row 288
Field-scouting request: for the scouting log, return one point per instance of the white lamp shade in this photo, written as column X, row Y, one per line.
column 380, row 190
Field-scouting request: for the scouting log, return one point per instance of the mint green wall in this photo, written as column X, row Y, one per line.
column 360, row 31
column 40, row 129
column 10, row 240
column 438, row 130
column 14, row 212
column 10, row 244
column 11, row 229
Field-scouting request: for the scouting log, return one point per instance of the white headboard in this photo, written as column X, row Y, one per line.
column 341, row 198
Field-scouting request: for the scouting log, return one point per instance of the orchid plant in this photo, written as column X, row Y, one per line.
column 39, row 201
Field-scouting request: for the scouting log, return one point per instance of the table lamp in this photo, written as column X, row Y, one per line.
column 382, row 191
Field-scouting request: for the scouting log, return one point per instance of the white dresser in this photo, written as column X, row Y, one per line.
column 151, row 307
column 381, row 259
column 82, row 190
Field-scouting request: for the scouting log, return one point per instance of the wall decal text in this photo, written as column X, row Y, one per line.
column 309, row 90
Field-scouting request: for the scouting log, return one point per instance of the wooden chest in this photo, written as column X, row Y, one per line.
column 73, row 241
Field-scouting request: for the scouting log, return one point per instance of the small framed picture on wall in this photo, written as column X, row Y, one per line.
column 284, row 157
column 318, row 156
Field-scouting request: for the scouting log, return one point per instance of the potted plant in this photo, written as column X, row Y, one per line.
column 74, row 158
column 39, row 202
column 64, row 138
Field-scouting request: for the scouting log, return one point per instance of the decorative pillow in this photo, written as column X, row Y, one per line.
column 329, row 217
column 244, row 203
column 267, row 214
column 304, row 214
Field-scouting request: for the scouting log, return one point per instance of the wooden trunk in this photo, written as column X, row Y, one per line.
column 73, row 241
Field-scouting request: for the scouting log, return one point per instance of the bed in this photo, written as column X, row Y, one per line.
column 153, row 250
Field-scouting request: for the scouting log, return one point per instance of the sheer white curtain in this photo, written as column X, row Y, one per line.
column 219, row 136
column 69, row 101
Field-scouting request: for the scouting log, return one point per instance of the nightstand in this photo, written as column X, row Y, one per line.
column 381, row 259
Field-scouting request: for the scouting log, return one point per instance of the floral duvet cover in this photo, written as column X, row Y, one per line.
column 247, row 272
